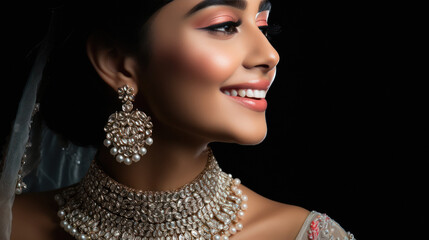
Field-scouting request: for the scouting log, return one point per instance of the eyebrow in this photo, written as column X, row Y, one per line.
column 265, row 5
column 240, row 4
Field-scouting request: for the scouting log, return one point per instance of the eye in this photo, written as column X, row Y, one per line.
column 225, row 27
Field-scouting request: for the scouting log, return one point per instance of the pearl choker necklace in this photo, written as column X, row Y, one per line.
column 100, row 208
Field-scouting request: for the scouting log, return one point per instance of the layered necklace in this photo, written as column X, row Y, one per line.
column 209, row 207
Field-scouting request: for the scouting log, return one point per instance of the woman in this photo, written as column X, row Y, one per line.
column 198, row 72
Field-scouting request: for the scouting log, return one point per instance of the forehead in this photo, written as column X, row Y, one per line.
column 240, row 4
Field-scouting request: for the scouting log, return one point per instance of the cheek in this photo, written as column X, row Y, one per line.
column 201, row 59
column 186, row 75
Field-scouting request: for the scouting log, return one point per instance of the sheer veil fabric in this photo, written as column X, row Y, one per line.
column 51, row 161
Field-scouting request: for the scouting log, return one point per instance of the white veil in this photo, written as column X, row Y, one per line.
column 51, row 161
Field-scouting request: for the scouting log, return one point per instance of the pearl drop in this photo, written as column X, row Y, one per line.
column 61, row 214
column 237, row 181
column 244, row 198
column 119, row 158
column 18, row 191
column 127, row 161
column 74, row 231
column 239, row 226
column 225, row 238
column 63, row 223
column 136, row 157
column 107, row 142
column 239, row 192
column 233, row 230
column 142, row 151
column 216, row 237
column 114, row 151
column 149, row 141
column 69, row 227
column 82, row 237
column 240, row 214
column 244, row 206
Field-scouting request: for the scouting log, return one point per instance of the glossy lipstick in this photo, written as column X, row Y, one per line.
column 250, row 94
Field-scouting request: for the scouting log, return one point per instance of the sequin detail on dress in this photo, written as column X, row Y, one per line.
column 324, row 228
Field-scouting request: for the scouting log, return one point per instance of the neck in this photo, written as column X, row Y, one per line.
column 171, row 162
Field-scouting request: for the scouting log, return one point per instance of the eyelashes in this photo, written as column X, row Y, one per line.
column 270, row 30
column 231, row 27
column 227, row 28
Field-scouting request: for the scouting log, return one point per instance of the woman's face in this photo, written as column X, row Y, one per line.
column 202, row 53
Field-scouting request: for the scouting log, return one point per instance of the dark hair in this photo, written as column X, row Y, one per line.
column 75, row 101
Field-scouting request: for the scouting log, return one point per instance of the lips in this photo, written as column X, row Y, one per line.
column 250, row 94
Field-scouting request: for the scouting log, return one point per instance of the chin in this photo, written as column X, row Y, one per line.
column 252, row 138
column 248, row 134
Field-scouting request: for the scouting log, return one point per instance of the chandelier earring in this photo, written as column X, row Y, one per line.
column 128, row 132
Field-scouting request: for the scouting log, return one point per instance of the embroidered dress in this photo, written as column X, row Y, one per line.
column 319, row 226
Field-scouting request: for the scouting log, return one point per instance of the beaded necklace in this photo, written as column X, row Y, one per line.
column 100, row 208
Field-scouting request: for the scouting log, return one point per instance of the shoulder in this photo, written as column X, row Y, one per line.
column 268, row 219
column 35, row 217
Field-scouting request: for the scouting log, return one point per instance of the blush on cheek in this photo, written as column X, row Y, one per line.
column 213, row 66
column 201, row 60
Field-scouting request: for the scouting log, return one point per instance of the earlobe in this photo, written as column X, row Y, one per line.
column 115, row 68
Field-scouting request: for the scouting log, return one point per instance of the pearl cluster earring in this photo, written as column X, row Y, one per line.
column 128, row 132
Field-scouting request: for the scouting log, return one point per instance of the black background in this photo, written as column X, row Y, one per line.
column 336, row 138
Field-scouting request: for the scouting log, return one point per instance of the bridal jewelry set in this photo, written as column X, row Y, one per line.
column 209, row 207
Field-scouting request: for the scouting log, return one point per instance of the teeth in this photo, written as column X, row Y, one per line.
column 251, row 93
column 242, row 93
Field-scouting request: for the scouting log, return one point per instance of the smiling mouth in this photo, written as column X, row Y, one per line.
column 246, row 93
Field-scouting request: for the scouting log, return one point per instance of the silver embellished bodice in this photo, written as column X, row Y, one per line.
column 319, row 226
column 101, row 208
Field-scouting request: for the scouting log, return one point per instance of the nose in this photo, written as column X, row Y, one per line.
column 261, row 54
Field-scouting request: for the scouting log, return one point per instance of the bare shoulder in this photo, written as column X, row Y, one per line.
column 34, row 217
column 268, row 219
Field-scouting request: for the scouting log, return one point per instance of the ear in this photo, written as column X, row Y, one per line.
column 114, row 67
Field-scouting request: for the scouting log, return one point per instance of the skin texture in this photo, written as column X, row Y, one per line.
column 180, row 88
